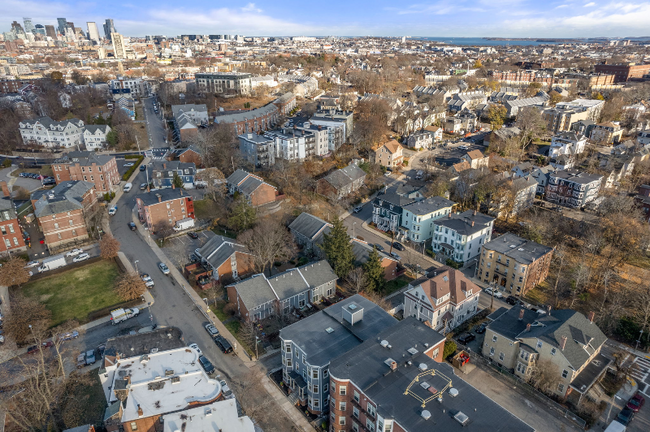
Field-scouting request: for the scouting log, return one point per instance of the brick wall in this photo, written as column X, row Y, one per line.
column 63, row 228
column 168, row 211
column 263, row 195
column 10, row 232
column 191, row 157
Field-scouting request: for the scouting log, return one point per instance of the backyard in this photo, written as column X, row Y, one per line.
column 76, row 294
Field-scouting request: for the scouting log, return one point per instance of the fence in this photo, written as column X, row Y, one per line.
column 490, row 367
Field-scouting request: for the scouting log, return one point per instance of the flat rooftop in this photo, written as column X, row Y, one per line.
column 217, row 417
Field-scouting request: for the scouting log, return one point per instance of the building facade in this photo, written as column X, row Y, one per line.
column 572, row 188
column 460, row 236
column 161, row 209
column 254, row 190
column 46, row 132
column 418, row 219
column 86, row 166
column 11, row 235
column 224, row 83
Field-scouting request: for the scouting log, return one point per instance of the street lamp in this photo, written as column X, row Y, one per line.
column 257, row 341
column 354, row 229
column 639, row 340
column 136, row 266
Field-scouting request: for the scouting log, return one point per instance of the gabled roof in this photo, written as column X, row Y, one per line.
column 443, row 281
column 361, row 251
column 219, row 249
column 310, row 226
column 392, row 146
column 521, row 250
column 165, row 195
column 466, row 223
column 475, row 154
column 429, row 205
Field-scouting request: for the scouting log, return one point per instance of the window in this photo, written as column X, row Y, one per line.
column 343, row 390
column 341, row 420
column 70, row 222
column 289, row 362
column 502, row 356
column 134, row 426
column 11, row 229
column 356, row 396
column 560, row 388
column 491, row 352
column 553, row 351
column 355, row 427
column 316, row 388
column 56, row 225
column 4, row 230
column 304, row 359
column 565, row 373
column 539, row 344
column 355, row 412
column 15, row 241
column 371, row 410
column 342, row 406
column 494, row 338
column 325, row 373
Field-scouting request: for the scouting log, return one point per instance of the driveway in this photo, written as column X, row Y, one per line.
column 178, row 249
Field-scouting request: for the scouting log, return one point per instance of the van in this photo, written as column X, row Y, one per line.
column 128, row 187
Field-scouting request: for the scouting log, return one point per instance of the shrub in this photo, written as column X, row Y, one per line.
column 450, row 348
column 453, row 264
column 130, row 171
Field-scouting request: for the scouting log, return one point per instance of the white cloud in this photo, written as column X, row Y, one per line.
column 590, row 4
column 562, row 6
column 250, row 7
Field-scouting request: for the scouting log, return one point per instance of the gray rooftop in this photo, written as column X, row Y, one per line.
column 246, row 115
column 429, row 205
column 321, row 346
column 462, row 222
column 143, row 343
column 521, row 250
column 365, row 366
column 237, row 177
column 576, row 176
column 219, row 249
column 309, row 226
column 168, row 194
column 64, row 197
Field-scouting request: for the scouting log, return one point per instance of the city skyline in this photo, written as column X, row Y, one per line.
column 464, row 18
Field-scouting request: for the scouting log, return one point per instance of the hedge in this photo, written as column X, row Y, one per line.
column 130, row 171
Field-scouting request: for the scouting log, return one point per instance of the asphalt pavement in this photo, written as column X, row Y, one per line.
column 155, row 125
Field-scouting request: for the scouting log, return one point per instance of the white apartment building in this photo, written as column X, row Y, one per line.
column 138, row 86
column 444, row 299
column 46, row 132
column 119, row 48
column 567, row 143
column 460, row 236
column 94, row 136
column 418, row 217
column 291, row 147
column 224, row 82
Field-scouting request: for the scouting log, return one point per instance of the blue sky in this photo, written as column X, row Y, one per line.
column 505, row 18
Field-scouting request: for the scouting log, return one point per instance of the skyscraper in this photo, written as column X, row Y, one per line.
column 109, row 28
column 93, row 33
column 50, row 31
column 16, row 28
column 29, row 27
column 40, row 29
column 63, row 23
column 119, row 50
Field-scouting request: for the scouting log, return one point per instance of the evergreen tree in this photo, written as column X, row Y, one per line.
column 374, row 271
column 338, row 249
column 242, row 215
column 177, row 181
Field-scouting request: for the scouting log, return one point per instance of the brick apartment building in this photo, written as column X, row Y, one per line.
column 164, row 207
column 61, row 212
column 623, row 72
column 88, row 166
column 256, row 191
column 11, row 236
column 253, row 121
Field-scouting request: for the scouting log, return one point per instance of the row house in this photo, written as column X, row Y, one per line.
column 137, row 87
column 308, row 231
column 46, row 132
column 90, row 167
column 443, row 299
column 260, row 297
column 257, row 149
column 252, row 121
column 162, row 173
column 572, row 188
column 459, row 236
column 11, row 235
column 254, row 190
column 335, row 119
column 514, row 264
column 187, row 120
column 161, row 209
column 94, row 136
column 226, row 258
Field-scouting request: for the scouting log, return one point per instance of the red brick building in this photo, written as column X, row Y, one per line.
column 164, row 207
column 256, row 191
column 87, row 166
column 11, row 236
column 256, row 120
column 61, row 212
column 189, row 155
column 623, row 72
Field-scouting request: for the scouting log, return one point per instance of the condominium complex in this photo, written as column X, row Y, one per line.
column 119, row 48
column 459, row 236
column 572, row 188
column 234, row 83
column 93, row 32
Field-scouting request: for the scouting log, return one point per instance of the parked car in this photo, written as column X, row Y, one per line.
column 498, row 294
column 625, row 416
column 196, row 347
column 143, row 186
column 112, row 211
column 193, row 235
column 511, row 300
column 148, row 282
column 206, row 365
column 212, row 330
column 399, row 246
column 132, row 226
column 636, row 402
column 74, row 252
column 82, row 257
column 225, row 390
column 90, row 357
column 223, row 344
column 32, row 264
column 357, row 209
column 480, row 329
column 69, row 336
column 387, row 173
column 129, row 164
column 81, row 360
column 143, row 167
column 32, row 349
column 394, row 255
column 163, row 268
column 466, row 338
column 379, row 247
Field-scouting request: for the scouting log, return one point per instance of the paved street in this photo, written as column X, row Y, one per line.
column 155, row 125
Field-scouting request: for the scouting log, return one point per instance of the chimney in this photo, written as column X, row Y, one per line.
column 140, row 412
column 521, row 314
column 548, row 310
column 393, row 365
column 563, row 343
column 159, row 198
column 472, row 223
column 591, row 316
column 173, row 186
column 5, row 189
column 181, row 191
column 164, row 166
column 474, row 212
column 527, row 327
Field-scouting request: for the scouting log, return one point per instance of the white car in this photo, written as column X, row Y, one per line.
column 129, row 164
column 82, row 257
column 196, row 347
column 112, row 211
column 226, row 390
column 74, row 252
column 32, row 264
column 387, row 173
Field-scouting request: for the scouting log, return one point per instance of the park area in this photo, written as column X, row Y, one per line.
column 81, row 294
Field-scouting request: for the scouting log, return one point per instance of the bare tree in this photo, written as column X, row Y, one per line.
column 378, row 300
column 26, row 312
column 163, row 229
column 269, row 241
column 13, row 272
column 130, row 287
column 532, row 125
column 109, row 246
column 356, row 280
column 543, row 375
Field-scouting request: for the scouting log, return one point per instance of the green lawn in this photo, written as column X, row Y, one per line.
column 396, row 284
column 219, row 312
column 76, row 293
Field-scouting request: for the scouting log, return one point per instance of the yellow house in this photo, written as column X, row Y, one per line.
column 389, row 154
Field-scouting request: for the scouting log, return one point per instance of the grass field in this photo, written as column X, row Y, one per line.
column 75, row 293
column 396, row 284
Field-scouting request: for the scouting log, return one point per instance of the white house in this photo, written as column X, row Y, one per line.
column 444, row 299
column 418, row 217
column 460, row 236
column 567, row 143
column 95, row 136
column 46, row 132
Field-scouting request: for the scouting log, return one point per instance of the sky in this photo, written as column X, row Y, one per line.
column 448, row 18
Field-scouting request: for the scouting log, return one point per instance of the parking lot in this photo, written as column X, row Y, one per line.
column 179, row 249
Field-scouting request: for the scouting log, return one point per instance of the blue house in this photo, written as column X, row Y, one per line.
column 161, row 173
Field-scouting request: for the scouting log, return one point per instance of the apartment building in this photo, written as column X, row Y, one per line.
column 119, row 45
column 418, row 218
column 335, row 119
column 572, row 188
column 222, row 416
column 46, row 132
column 187, row 119
column 398, row 381
column 234, row 83
column 459, row 236
column 162, row 173
column 260, row 297
column 137, row 87
column 257, row 149
column 420, row 140
column 518, row 339
column 309, row 346
column 94, row 136
column 90, row 167
column 514, row 264
column 161, row 209
column 567, row 143
column 607, row 133
column 341, row 182
column 61, row 212
column 226, row 258
column 253, row 121
column 565, row 114
column 255, row 190
column 389, row 155
column 623, row 72
column 388, row 209
column 11, row 235
column 443, row 299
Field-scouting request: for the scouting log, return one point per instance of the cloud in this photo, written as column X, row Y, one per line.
column 250, row 7
column 590, row 4
column 562, row 6
column 444, row 7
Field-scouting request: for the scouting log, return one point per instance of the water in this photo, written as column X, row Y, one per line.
column 451, row 41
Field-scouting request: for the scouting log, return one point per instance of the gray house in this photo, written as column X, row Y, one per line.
column 308, row 346
column 342, row 182
column 308, row 231
column 260, row 297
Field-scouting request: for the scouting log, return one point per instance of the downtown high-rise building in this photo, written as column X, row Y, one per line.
column 29, row 27
column 119, row 49
column 109, row 28
column 50, row 31
column 93, row 32
column 40, row 29
column 63, row 24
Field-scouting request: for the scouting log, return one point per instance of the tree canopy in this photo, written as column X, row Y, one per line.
column 338, row 249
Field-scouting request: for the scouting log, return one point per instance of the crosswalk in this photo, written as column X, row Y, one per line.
column 641, row 374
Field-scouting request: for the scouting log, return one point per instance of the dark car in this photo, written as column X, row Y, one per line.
column 398, row 246
column 480, row 329
column 193, row 235
column 132, row 226
column 511, row 300
column 625, row 416
column 223, row 344
column 143, row 167
column 379, row 247
column 206, row 365
column 32, row 349
column 466, row 338
column 636, row 402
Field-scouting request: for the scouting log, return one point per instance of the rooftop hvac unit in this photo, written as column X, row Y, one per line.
column 423, row 366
